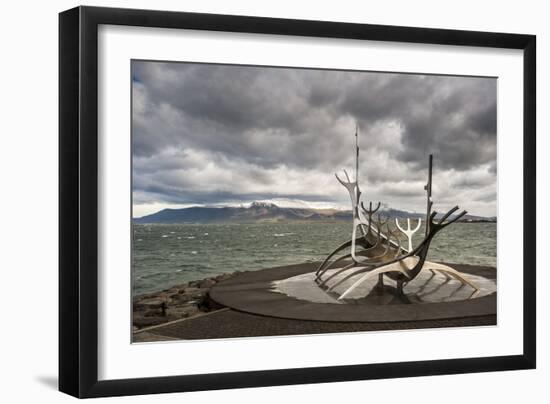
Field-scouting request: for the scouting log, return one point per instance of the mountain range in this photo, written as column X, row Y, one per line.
column 268, row 212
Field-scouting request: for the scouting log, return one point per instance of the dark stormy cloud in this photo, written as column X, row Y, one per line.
column 221, row 134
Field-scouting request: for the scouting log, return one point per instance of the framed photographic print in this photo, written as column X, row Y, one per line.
column 297, row 201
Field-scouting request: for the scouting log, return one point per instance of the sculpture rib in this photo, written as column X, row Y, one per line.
column 336, row 273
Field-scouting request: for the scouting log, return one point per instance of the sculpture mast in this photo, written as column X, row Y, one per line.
column 428, row 189
column 357, row 191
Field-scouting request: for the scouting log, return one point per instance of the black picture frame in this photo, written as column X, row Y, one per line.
column 78, row 200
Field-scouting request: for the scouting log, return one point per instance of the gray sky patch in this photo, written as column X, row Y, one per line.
column 226, row 134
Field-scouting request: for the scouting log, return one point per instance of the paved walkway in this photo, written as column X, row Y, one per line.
column 228, row 323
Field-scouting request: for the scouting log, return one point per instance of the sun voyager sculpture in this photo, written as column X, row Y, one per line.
column 375, row 249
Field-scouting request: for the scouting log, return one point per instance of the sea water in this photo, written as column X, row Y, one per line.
column 164, row 255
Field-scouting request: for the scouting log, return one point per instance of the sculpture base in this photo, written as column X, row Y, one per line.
column 289, row 292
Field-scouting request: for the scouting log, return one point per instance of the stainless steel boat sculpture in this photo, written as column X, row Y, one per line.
column 377, row 249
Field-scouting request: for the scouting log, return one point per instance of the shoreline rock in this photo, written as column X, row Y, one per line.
column 184, row 300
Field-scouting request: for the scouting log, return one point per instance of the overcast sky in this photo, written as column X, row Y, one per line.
column 229, row 135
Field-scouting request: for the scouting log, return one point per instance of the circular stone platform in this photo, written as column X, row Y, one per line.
column 277, row 292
